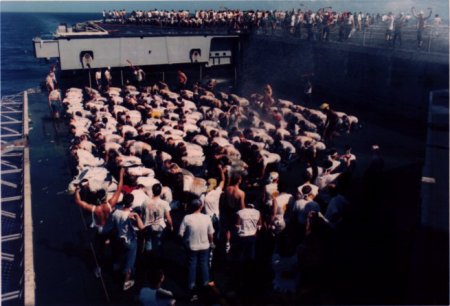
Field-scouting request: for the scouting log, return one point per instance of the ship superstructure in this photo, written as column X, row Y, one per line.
column 98, row 45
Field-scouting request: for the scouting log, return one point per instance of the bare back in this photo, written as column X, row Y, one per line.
column 233, row 198
column 102, row 213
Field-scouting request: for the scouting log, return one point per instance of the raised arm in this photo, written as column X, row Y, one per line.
column 84, row 205
column 222, row 176
column 413, row 11
column 429, row 15
column 274, row 206
column 115, row 198
column 130, row 63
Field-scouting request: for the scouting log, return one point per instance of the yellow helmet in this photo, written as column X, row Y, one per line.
column 324, row 106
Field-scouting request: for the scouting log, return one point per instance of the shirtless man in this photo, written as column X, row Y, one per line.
column 232, row 200
column 330, row 123
column 102, row 212
column 436, row 23
column 50, row 82
column 54, row 103
column 182, row 80
column 268, row 99
column 421, row 20
column 101, row 216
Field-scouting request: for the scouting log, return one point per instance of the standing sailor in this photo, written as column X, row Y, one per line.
column 50, row 81
column 54, row 103
column 108, row 77
column 98, row 79
column 138, row 73
column 182, row 80
column 420, row 25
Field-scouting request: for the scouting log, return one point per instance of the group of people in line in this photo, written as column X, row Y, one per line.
column 54, row 94
column 395, row 25
column 212, row 167
column 317, row 24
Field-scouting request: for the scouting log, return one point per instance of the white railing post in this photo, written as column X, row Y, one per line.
column 29, row 276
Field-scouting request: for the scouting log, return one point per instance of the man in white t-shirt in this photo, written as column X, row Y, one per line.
column 197, row 231
column 248, row 223
column 156, row 212
column 141, row 198
column 389, row 20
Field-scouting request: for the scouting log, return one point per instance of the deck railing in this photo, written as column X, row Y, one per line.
column 18, row 286
column 435, row 39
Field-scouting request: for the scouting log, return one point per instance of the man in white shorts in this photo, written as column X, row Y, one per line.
column 54, row 103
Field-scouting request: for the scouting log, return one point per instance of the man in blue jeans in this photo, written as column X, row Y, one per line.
column 124, row 221
column 156, row 211
column 197, row 231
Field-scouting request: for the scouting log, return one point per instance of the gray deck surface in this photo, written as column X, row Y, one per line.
column 63, row 261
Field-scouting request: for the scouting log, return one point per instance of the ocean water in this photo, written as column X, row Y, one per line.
column 19, row 68
column 22, row 21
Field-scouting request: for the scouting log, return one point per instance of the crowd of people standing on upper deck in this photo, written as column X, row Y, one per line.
column 313, row 25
